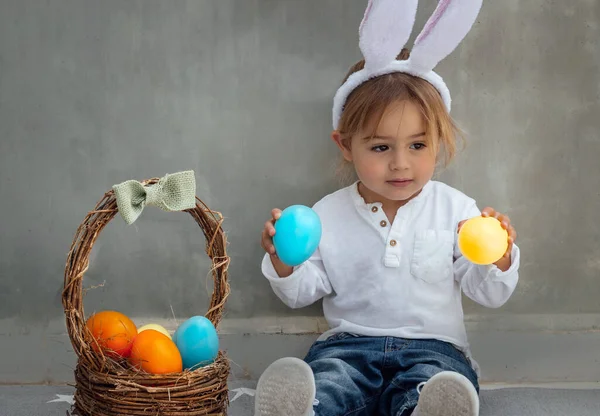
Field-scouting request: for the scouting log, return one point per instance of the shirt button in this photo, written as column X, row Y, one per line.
column 393, row 243
column 383, row 223
column 374, row 209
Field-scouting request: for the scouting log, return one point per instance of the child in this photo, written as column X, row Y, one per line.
column 388, row 268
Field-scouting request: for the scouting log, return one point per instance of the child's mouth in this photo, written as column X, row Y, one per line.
column 400, row 183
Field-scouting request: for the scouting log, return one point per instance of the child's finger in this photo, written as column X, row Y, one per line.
column 460, row 224
column 488, row 212
column 276, row 213
column 504, row 220
column 512, row 234
column 267, row 243
column 263, row 238
column 269, row 228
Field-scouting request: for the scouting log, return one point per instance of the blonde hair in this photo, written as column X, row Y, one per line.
column 368, row 102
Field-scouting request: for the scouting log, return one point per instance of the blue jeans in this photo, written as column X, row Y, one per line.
column 358, row 375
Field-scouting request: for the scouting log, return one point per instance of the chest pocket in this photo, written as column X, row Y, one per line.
column 433, row 255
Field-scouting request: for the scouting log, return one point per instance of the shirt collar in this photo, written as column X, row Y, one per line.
column 360, row 203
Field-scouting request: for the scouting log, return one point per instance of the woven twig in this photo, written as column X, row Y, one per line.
column 105, row 387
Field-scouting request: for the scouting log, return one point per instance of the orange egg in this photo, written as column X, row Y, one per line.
column 155, row 353
column 114, row 333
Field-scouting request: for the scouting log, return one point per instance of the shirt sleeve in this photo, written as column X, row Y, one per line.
column 307, row 284
column 487, row 285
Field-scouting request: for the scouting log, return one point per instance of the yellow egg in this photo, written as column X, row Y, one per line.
column 156, row 327
column 482, row 240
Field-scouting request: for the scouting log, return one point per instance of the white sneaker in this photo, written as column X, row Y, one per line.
column 286, row 388
column 447, row 394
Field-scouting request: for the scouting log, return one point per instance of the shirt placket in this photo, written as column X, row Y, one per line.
column 390, row 233
column 393, row 249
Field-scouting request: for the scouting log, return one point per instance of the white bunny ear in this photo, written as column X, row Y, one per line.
column 384, row 30
column 445, row 29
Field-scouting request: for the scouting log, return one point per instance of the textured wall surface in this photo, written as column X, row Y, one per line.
column 95, row 93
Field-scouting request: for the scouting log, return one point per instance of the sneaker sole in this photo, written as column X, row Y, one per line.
column 449, row 394
column 286, row 388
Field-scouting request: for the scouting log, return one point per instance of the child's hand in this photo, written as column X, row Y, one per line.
column 268, row 233
column 504, row 263
column 505, row 221
column 266, row 242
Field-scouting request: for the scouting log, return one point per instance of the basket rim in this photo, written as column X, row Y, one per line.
column 77, row 264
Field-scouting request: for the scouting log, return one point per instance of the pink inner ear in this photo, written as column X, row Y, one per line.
column 366, row 16
column 437, row 15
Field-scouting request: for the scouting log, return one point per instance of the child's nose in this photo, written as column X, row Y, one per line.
column 399, row 160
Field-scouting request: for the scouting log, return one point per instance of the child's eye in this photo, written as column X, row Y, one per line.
column 380, row 148
column 417, row 146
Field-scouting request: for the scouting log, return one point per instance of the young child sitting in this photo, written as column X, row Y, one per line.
column 388, row 267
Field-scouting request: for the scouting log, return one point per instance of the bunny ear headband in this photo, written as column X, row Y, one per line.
column 385, row 29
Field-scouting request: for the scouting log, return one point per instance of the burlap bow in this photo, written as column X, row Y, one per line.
column 173, row 192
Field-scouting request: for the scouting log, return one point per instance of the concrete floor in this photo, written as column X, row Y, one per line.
column 37, row 401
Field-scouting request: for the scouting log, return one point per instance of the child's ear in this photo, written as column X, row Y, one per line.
column 343, row 144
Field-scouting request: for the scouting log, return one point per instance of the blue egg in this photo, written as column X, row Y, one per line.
column 297, row 234
column 197, row 341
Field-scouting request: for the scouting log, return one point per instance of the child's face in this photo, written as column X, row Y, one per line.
column 396, row 163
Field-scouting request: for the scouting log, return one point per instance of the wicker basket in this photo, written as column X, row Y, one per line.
column 105, row 387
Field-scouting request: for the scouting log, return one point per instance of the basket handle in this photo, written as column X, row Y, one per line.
column 157, row 191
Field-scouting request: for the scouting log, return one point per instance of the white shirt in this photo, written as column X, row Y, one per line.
column 402, row 279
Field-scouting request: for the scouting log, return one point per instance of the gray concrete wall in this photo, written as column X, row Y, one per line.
column 95, row 93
